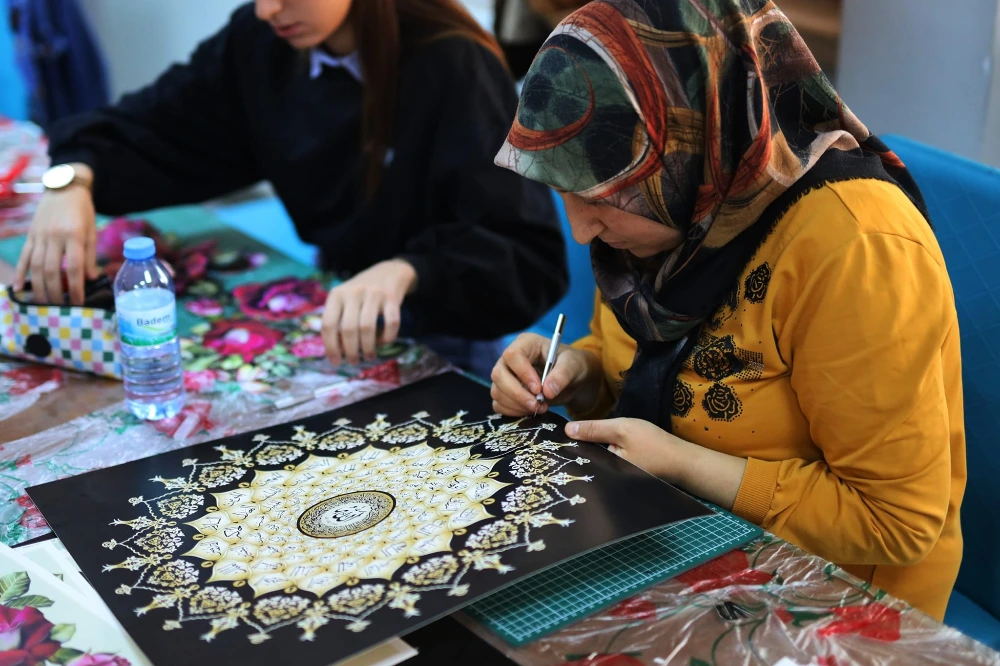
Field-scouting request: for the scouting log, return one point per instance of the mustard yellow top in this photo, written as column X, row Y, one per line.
column 834, row 367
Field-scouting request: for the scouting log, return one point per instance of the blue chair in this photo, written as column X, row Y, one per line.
column 578, row 303
column 963, row 199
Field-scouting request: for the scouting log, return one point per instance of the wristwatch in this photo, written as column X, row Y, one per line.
column 62, row 176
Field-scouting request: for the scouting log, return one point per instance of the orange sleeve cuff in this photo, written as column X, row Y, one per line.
column 753, row 502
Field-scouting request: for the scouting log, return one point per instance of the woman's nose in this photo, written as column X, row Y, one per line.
column 267, row 9
column 585, row 226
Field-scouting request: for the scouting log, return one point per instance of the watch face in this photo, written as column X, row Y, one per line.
column 58, row 177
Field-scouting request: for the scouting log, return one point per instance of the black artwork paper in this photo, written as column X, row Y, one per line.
column 312, row 541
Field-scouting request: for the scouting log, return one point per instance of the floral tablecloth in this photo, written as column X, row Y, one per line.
column 247, row 315
column 770, row 604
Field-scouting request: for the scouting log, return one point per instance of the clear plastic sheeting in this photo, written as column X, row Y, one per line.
column 770, row 604
column 22, row 384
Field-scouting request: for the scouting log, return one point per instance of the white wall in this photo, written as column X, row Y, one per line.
column 141, row 38
column 924, row 69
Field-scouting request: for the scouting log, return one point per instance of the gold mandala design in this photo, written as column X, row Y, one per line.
column 180, row 506
column 276, row 454
column 177, row 573
column 460, row 434
column 273, row 610
column 219, row 475
column 256, row 534
column 335, row 526
column 435, row 571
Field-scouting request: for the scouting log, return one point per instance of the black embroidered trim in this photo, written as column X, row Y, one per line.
column 721, row 403
column 718, row 359
column 755, row 288
column 683, row 399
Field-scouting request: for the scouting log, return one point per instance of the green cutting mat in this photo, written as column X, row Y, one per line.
column 567, row 592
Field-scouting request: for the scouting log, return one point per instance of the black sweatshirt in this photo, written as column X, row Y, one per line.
column 485, row 243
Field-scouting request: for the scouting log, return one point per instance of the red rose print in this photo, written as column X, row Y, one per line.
column 635, row 608
column 111, row 239
column 200, row 381
column 185, row 264
column 24, row 637
column 876, row 621
column 31, row 377
column 309, row 347
column 246, row 338
column 31, row 518
column 731, row 569
column 23, row 460
column 784, row 615
column 386, row 373
column 191, row 420
column 288, row 298
column 204, row 307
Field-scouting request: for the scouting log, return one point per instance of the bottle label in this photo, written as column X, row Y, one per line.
column 145, row 328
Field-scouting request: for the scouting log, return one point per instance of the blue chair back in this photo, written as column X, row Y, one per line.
column 578, row 303
column 963, row 199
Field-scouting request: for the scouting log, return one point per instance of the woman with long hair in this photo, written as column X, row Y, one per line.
column 375, row 121
column 775, row 329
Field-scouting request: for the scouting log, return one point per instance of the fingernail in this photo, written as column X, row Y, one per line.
column 531, row 404
column 553, row 388
column 572, row 429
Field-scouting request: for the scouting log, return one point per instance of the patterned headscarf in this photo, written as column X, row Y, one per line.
column 708, row 116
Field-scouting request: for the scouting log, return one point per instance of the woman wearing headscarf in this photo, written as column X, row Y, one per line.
column 775, row 329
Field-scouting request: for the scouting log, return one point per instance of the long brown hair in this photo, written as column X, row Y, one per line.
column 378, row 28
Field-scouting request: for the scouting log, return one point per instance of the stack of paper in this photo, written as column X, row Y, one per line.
column 49, row 614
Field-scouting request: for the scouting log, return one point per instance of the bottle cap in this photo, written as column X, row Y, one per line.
column 140, row 248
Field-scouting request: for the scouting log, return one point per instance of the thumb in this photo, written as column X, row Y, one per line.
column 560, row 377
column 607, row 431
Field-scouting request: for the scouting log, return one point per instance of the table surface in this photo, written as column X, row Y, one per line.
column 768, row 602
column 787, row 603
column 80, row 395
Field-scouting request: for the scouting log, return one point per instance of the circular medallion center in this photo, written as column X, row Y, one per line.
column 346, row 514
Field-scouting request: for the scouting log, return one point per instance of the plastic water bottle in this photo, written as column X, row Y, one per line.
column 147, row 328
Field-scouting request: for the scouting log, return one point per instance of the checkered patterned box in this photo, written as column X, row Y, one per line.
column 75, row 338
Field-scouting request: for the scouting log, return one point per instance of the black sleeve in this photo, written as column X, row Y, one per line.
column 183, row 139
column 497, row 261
